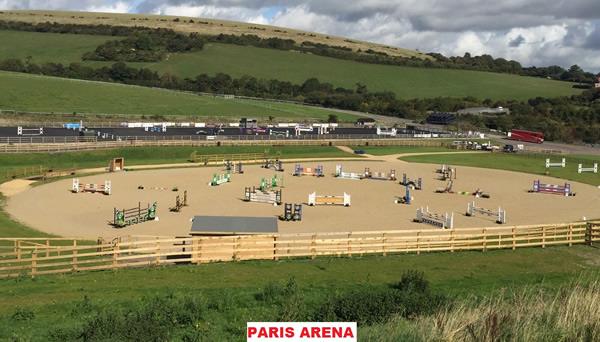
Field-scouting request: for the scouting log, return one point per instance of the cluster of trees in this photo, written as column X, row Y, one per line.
column 574, row 118
column 570, row 119
column 141, row 45
column 150, row 45
column 573, row 74
column 48, row 27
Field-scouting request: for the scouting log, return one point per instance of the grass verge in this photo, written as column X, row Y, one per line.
column 234, row 293
column 528, row 163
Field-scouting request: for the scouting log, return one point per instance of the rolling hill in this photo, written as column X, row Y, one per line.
column 203, row 26
column 31, row 93
column 237, row 61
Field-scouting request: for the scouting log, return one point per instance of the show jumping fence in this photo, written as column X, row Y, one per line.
column 38, row 256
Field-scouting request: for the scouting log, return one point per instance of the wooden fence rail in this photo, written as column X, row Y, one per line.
column 45, row 147
column 32, row 257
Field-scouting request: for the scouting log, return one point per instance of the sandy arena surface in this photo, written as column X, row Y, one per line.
column 53, row 208
column 15, row 186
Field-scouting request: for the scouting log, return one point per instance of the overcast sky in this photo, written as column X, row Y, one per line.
column 533, row 32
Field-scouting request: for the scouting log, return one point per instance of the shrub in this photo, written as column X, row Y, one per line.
column 23, row 315
column 409, row 298
column 153, row 319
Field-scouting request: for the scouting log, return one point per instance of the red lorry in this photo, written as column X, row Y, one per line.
column 527, row 136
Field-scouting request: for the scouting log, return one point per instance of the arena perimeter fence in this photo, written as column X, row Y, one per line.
column 31, row 257
column 68, row 144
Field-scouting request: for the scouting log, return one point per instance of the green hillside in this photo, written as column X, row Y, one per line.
column 292, row 66
column 406, row 82
column 49, row 94
column 47, row 47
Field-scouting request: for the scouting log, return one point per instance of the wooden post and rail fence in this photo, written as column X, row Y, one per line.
column 44, row 146
column 38, row 256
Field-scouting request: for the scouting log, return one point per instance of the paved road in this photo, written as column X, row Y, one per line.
column 555, row 146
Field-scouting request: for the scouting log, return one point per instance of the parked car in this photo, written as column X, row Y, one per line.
column 509, row 149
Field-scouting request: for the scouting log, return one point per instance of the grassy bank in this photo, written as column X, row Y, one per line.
column 232, row 293
column 387, row 150
column 528, row 315
column 405, row 82
column 156, row 155
column 34, row 93
column 528, row 163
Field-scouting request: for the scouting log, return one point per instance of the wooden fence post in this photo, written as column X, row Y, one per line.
column 115, row 262
column 514, row 239
column 543, row 236
column 570, row 235
column 384, row 239
column 33, row 263
column 236, row 247
column 74, row 255
column 484, row 239
column 452, row 240
column 349, row 245
column 157, row 251
column 47, row 248
column 418, row 242
column 588, row 233
column 18, row 249
column 275, row 248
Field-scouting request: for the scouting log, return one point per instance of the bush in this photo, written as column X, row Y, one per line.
column 154, row 319
column 409, row 298
column 23, row 315
column 274, row 292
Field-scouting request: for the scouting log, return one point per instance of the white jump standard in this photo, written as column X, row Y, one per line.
column 581, row 169
column 29, row 131
column 339, row 173
column 314, row 199
column 550, row 164
column 443, row 221
column 500, row 214
column 379, row 175
column 83, row 187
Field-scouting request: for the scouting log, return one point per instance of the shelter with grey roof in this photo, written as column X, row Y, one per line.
column 233, row 225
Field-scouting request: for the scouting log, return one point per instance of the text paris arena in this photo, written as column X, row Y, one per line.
column 301, row 332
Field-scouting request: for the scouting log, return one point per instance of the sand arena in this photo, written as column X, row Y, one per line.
column 53, row 208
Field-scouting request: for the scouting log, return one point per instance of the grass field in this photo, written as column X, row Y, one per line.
column 387, row 150
column 405, row 82
column 229, row 294
column 297, row 67
column 49, row 94
column 48, row 47
column 528, row 163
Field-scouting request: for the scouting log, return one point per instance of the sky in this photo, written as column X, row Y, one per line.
column 533, row 32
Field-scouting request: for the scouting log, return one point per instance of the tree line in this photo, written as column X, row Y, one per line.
column 143, row 44
column 140, row 45
column 574, row 118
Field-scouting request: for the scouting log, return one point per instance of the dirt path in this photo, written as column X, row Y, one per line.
column 15, row 186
